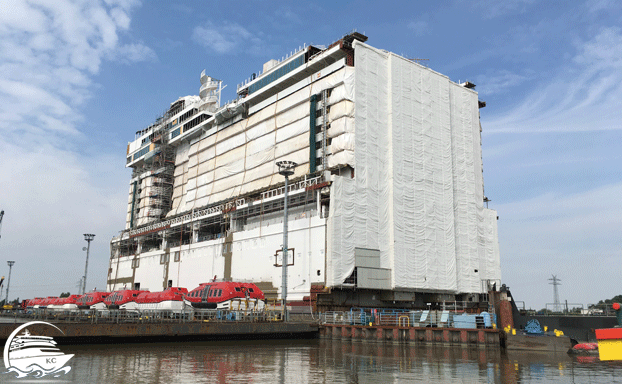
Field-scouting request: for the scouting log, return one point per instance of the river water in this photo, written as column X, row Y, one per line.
column 320, row 361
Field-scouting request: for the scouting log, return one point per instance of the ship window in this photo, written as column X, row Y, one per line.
column 251, row 290
column 219, row 292
column 176, row 256
column 237, row 289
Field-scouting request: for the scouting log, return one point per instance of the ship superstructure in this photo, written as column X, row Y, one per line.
column 386, row 204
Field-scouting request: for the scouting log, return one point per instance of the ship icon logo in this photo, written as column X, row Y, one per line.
column 29, row 355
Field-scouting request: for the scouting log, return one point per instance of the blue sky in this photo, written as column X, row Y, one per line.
column 77, row 79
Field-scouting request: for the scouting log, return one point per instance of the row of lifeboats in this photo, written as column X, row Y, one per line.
column 213, row 295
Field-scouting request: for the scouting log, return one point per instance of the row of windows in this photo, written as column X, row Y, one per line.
column 276, row 74
column 176, row 133
column 164, row 258
column 212, row 293
column 141, row 152
column 187, row 114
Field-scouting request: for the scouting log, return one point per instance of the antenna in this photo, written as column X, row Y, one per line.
column 1, row 216
column 555, row 282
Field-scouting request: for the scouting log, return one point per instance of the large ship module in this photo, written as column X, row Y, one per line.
column 386, row 205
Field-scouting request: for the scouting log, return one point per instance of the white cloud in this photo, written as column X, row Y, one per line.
column 53, row 187
column 500, row 82
column 419, row 27
column 585, row 96
column 134, row 53
column 492, row 8
column 227, row 38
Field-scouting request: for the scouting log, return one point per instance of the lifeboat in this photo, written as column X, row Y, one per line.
column 226, row 295
column 34, row 303
column 64, row 303
column 171, row 299
column 92, row 300
column 43, row 304
column 123, row 299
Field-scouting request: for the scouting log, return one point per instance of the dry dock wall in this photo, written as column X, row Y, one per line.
column 414, row 335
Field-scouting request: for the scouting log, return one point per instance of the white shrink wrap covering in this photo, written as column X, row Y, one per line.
column 417, row 194
column 292, row 145
column 182, row 153
column 262, row 128
column 261, row 144
column 468, row 195
column 296, row 128
column 341, row 78
column 192, row 172
column 341, row 109
column 342, row 142
column 300, row 111
column 257, row 159
column 207, row 154
column 490, row 262
column 337, row 94
column 230, row 169
column 207, row 142
column 339, row 126
column 341, row 158
column 206, row 167
column 340, row 225
column 230, row 143
column 201, row 180
column 192, row 184
column 232, row 156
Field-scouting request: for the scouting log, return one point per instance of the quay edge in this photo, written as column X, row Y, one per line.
column 418, row 335
column 77, row 333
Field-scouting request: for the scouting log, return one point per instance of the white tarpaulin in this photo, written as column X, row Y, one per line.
column 417, row 194
column 240, row 158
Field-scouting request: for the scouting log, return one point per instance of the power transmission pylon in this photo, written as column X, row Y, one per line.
column 555, row 282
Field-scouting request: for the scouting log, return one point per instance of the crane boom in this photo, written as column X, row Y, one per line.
column 1, row 215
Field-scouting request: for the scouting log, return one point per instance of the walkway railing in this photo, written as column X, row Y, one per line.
column 145, row 316
column 409, row 318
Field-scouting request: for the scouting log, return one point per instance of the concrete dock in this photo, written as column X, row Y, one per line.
column 87, row 333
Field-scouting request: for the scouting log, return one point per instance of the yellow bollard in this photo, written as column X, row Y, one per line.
column 546, row 328
column 513, row 331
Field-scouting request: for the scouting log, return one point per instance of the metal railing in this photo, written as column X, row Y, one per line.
column 408, row 318
column 145, row 316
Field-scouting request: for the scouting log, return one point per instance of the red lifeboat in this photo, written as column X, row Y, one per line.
column 226, row 295
column 92, row 300
column 47, row 301
column 34, row 303
column 64, row 303
column 123, row 299
column 170, row 299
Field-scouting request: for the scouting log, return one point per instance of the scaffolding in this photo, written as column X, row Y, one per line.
column 307, row 197
column 154, row 188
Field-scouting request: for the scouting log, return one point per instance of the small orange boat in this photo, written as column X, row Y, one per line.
column 610, row 339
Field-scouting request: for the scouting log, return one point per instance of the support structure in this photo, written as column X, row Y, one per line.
column 286, row 168
column 88, row 237
column 8, row 283
column 555, row 282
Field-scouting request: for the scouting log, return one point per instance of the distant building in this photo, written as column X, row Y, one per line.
column 386, row 203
